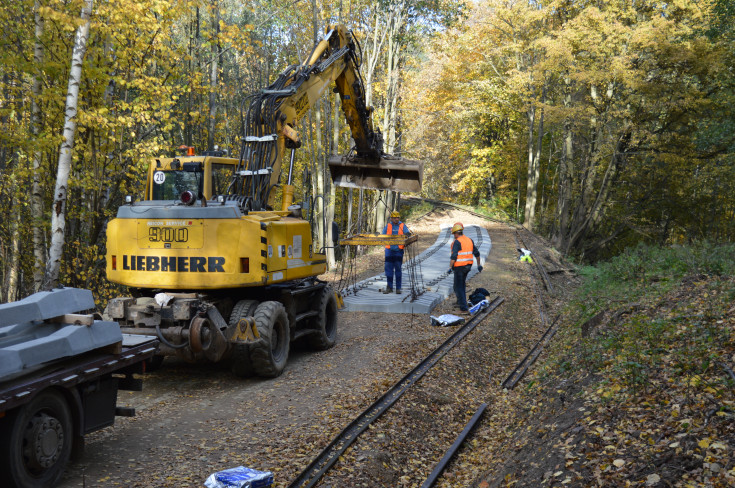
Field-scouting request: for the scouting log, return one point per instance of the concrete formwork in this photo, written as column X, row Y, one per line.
column 434, row 282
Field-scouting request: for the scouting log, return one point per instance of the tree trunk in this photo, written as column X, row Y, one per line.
column 213, row 75
column 372, row 54
column 534, row 165
column 560, row 240
column 528, row 213
column 39, row 248
column 318, row 153
column 58, row 210
column 16, row 258
column 331, row 255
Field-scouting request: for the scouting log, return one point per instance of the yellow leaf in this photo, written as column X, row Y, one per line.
column 704, row 443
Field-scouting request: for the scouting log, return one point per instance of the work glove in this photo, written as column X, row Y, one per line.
column 479, row 269
column 449, row 271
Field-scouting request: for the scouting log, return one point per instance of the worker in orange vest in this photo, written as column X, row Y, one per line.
column 460, row 263
column 394, row 253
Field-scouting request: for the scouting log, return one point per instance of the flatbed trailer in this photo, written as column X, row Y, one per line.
column 47, row 407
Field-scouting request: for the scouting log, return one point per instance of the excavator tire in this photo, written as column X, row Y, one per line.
column 240, row 363
column 326, row 322
column 269, row 354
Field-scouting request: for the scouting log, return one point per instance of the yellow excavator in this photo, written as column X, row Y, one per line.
column 215, row 272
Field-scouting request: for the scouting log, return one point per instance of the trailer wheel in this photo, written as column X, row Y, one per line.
column 269, row 354
column 326, row 322
column 36, row 441
column 240, row 363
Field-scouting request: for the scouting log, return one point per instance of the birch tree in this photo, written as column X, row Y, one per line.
column 58, row 209
column 39, row 248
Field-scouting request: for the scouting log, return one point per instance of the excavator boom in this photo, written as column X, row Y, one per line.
column 274, row 111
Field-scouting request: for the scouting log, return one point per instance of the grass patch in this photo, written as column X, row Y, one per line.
column 677, row 326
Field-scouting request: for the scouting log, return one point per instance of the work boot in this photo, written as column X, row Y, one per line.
column 388, row 290
column 398, row 291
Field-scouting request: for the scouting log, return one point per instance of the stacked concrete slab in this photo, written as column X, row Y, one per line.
column 28, row 340
column 434, row 282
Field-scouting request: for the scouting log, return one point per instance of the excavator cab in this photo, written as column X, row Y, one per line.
column 202, row 175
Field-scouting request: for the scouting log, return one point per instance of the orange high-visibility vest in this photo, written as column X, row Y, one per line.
column 390, row 232
column 464, row 256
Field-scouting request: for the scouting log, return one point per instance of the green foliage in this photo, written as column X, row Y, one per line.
column 642, row 269
column 637, row 99
column 670, row 306
column 410, row 212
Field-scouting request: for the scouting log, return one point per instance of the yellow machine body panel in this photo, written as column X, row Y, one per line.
column 257, row 249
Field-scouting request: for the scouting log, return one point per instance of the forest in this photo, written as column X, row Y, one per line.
column 598, row 125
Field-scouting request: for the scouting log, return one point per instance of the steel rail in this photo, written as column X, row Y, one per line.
column 439, row 468
column 329, row 455
column 536, row 291
column 519, row 371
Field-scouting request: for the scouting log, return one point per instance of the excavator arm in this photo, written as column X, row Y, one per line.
column 274, row 111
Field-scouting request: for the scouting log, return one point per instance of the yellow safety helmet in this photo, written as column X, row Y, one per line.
column 395, row 213
column 457, row 227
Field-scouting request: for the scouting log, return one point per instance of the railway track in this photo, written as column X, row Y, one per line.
column 520, row 370
column 314, row 472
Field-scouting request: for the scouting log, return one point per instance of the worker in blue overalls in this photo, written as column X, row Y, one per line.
column 394, row 253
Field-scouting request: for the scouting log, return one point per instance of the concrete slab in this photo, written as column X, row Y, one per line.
column 433, row 284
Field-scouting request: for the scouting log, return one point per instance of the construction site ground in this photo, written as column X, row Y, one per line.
column 194, row 420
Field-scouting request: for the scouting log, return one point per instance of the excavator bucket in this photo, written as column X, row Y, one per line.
column 386, row 173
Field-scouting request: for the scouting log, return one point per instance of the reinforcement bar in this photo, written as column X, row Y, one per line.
column 326, row 459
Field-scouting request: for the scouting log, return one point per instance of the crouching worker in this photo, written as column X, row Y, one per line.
column 394, row 253
column 460, row 262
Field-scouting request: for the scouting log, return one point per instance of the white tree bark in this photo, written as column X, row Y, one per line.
column 39, row 248
column 373, row 47
column 14, row 275
column 331, row 255
column 58, row 210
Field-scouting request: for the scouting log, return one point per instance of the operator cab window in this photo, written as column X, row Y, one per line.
column 170, row 184
column 221, row 177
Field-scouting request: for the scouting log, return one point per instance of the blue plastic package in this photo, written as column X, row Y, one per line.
column 240, row 477
column 479, row 306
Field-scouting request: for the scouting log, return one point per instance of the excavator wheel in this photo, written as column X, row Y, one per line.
column 240, row 363
column 326, row 322
column 269, row 354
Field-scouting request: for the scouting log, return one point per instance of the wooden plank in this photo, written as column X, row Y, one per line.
column 72, row 318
